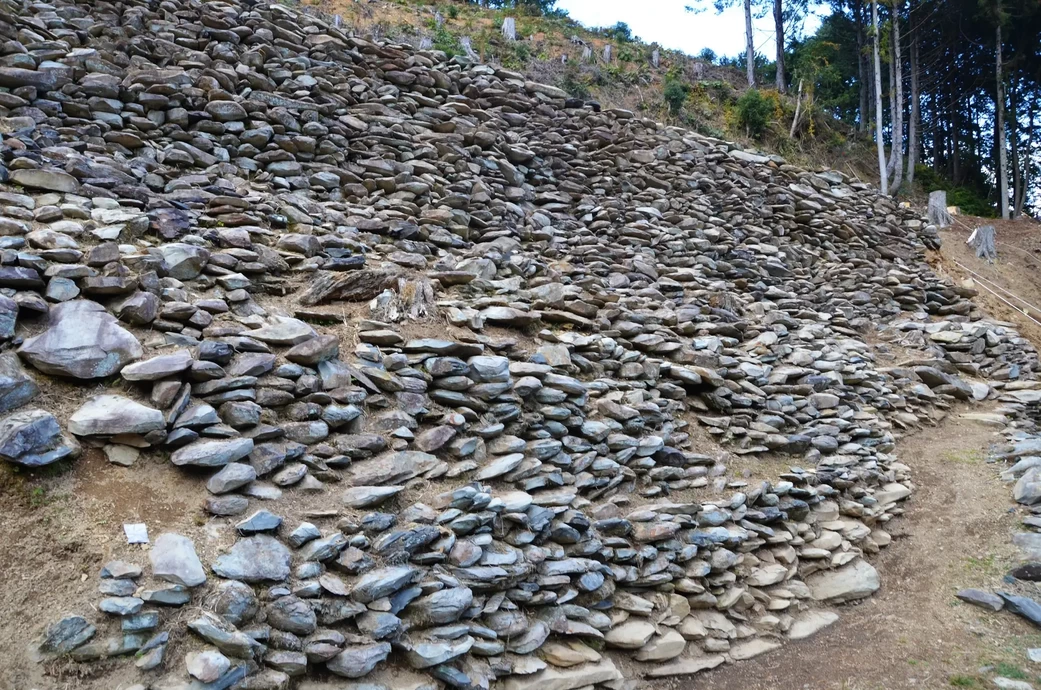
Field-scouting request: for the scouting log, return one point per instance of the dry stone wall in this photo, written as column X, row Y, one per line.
column 557, row 311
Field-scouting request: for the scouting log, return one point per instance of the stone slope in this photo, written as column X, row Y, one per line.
column 194, row 191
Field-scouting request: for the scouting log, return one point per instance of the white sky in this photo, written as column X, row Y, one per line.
column 666, row 22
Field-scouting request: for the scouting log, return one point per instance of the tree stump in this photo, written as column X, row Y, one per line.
column 982, row 240
column 468, row 47
column 938, row 214
column 509, row 29
column 407, row 299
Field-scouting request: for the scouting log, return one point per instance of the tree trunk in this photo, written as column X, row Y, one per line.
column 891, row 164
column 897, row 114
column 1027, row 160
column 955, row 139
column 883, row 184
column 999, row 133
column 798, row 108
column 939, row 148
column 1013, row 135
column 912, row 126
column 749, row 44
column 862, row 71
column 937, row 211
column 779, row 35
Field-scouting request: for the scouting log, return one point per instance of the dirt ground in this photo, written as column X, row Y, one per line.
column 913, row 633
column 1015, row 270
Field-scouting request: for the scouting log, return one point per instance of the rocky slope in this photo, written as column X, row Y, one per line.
column 448, row 352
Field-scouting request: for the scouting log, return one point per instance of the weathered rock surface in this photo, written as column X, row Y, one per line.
column 33, row 438
column 82, row 341
column 174, row 560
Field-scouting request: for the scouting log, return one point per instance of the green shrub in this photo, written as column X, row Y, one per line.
column 453, row 12
column 621, row 32
column 675, row 93
column 574, row 83
column 971, row 201
column 516, row 55
column 446, row 41
column 753, row 112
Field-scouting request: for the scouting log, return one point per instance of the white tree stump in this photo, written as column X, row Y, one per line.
column 938, row 214
column 656, row 58
column 982, row 240
column 607, row 53
column 468, row 47
column 509, row 29
column 587, row 53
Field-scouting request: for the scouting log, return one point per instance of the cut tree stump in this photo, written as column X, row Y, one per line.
column 938, row 213
column 509, row 29
column 409, row 298
column 982, row 240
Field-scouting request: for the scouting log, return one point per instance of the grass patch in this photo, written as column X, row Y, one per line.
column 965, row 682
column 1008, row 670
column 987, row 565
column 964, row 457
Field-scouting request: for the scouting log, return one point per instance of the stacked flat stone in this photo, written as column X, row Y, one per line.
column 193, row 195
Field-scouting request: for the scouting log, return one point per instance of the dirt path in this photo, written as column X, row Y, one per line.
column 913, row 633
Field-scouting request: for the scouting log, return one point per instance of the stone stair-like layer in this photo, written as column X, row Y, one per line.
column 452, row 353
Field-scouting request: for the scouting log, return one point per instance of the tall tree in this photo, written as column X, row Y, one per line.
column 896, row 113
column 912, row 125
column 779, row 36
column 883, row 185
column 862, row 68
column 999, row 121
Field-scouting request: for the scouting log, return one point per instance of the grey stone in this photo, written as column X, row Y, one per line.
column 33, row 438
column 158, row 367
column 174, row 560
column 356, row 661
column 254, row 559
column 16, row 386
column 232, row 476
column 212, row 453
column 83, row 341
column 66, row 635
column 109, row 415
column 850, row 582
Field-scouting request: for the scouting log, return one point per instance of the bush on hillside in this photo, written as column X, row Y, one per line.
column 753, row 112
column 574, row 82
column 675, row 94
column 446, row 41
column 971, row 201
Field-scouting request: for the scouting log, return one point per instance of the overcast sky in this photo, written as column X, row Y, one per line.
column 666, row 22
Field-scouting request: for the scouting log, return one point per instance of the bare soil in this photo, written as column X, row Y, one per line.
column 913, row 633
column 1015, row 270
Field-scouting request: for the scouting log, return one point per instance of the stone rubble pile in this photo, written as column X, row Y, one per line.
column 194, row 193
